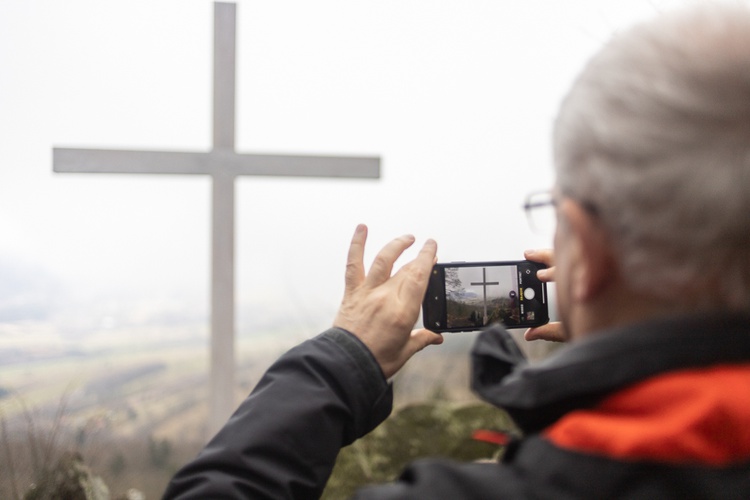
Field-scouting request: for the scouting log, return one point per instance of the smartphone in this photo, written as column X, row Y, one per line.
column 467, row 296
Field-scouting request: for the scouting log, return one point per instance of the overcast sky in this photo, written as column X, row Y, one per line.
column 457, row 97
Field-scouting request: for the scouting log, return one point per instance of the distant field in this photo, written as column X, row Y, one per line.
column 134, row 403
column 114, row 394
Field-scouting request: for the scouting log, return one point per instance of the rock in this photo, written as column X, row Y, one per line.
column 433, row 429
column 69, row 479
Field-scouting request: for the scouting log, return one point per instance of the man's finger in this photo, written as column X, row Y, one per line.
column 383, row 263
column 418, row 271
column 551, row 331
column 427, row 254
column 547, row 275
column 422, row 338
column 546, row 256
column 355, row 268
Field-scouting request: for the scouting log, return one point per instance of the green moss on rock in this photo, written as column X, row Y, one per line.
column 432, row 429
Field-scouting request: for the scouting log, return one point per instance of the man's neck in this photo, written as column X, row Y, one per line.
column 618, row 308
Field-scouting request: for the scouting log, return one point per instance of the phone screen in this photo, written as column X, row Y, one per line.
column 468, row 296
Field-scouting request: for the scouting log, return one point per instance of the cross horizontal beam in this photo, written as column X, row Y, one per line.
column 224, row 162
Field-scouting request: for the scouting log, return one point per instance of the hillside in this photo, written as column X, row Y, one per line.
column 135, row 404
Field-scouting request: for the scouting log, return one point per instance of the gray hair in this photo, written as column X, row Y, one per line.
column 655, row 133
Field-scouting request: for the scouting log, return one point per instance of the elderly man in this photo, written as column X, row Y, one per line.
column 651, row 399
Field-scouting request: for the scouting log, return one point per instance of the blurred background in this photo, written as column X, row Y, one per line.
column 104, row 279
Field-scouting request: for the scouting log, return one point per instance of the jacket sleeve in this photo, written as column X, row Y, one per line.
column 283, row 440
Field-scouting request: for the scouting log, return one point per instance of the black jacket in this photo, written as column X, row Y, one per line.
column 658, row 410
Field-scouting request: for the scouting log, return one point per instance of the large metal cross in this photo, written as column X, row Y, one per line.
column 223, row 164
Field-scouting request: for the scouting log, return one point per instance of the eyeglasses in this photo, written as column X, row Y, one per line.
column 540, row 212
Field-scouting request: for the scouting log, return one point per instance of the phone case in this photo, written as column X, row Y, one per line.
column 468, row 296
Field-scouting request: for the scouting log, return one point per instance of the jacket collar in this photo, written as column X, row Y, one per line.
column 583, row 372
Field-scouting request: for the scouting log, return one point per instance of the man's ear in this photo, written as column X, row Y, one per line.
column 594, row 267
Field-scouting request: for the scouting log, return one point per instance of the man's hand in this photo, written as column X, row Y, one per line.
column 551, row 331
column 381, row 309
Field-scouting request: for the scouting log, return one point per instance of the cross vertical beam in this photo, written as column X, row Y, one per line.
column 221, row 385
column 225, row 50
